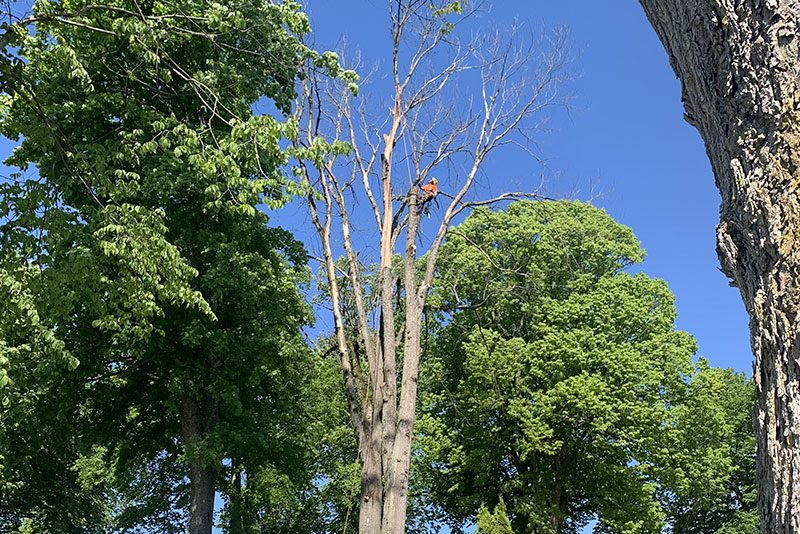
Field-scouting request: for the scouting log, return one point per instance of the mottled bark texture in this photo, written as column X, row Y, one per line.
column 738, row 63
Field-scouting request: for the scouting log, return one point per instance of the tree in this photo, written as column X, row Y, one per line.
column 440, row 130
column 737, row 62
column 558, row 381
column 550, row 373
column 323, row 498
column 136, row 248
column 706, row 460
column 494, row 523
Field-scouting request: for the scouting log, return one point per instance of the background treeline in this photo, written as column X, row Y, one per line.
column 152, row 351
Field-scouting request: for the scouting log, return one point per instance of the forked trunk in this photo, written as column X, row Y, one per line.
column 739, row 65
column 396, row 492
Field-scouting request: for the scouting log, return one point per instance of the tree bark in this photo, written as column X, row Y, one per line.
column 198, row 418
column 396, row 501
column 236, row 525
column 739, row 66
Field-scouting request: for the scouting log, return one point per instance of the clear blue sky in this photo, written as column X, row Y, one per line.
column 624, row 137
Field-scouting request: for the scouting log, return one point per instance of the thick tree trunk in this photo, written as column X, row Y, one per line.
column 198, row 418
column 396, row 499
column 738, row 63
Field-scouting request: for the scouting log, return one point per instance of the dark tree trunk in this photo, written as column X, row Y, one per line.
column 198, row 418
column 236, row 524
column 739, row 66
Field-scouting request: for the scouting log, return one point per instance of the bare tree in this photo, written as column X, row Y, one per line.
column 430, row 127
column 739, row 64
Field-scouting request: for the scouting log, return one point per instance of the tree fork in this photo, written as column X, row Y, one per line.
column 739, row 66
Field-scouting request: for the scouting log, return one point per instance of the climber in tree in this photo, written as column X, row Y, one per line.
column 429, row 192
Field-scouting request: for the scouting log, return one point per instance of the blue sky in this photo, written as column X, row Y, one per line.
column 624, row 138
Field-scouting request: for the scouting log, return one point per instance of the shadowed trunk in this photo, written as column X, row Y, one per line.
column 198, row 418
column 236, row 525
column 371, row 484
column 739, row 66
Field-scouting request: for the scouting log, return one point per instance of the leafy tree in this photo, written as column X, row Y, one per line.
column 136, row 249
column 551, row 372
column 494, row 523
column 325, row 498
column 706, row 464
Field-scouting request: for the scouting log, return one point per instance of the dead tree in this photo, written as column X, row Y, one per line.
column 452, row 103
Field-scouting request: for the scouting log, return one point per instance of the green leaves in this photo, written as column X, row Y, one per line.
column 554, row 376
column 706, row 458
column 494, row 523
column 136, row 264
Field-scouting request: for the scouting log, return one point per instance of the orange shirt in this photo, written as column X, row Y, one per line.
column 430, row 189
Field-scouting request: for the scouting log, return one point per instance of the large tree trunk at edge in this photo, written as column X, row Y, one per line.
column 738, row 63
column 198, row 418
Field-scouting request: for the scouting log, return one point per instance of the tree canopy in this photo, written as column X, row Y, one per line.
column 553, row 373
column 155, row 313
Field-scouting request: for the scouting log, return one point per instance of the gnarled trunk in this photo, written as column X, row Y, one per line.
column 738, row 63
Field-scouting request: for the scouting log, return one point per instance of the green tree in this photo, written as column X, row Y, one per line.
column 706, row 462
column 133, row 245
column 494, row 523
column 322, row 500
column 551, row 371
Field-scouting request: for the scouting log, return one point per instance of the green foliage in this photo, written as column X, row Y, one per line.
column 742, row 523
column 325, row 496
column 136, row 261
column 494, row 523
column 706, row 459
column 552, row 374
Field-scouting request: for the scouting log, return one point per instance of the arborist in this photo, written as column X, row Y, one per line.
column 429, row 192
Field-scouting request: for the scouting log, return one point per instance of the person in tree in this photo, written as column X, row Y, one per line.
column 429, row 192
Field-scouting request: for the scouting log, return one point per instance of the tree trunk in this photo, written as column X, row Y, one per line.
column 198, row 418
column 738, row 63
column 396, row 500
column 236, row 525
column 369, row 519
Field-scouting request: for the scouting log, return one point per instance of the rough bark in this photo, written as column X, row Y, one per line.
column 738, row 64
column 198, row 418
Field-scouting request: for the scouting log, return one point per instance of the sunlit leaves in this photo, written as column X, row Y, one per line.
column 553, row 370
column 136, row 253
